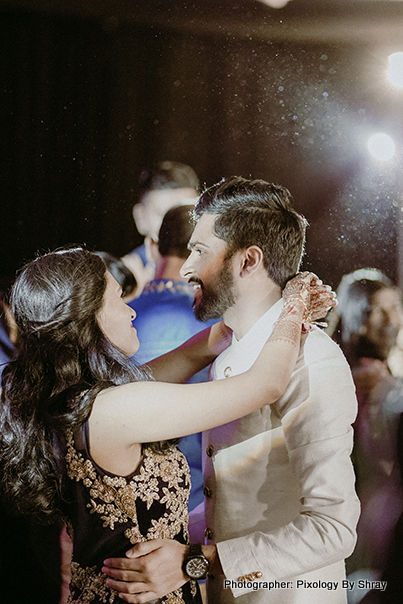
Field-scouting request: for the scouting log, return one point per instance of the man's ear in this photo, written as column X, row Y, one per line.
column 152, row 249
column 251, row 260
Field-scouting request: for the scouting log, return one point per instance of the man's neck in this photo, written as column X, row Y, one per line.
column 248, row 309
column 168, row 268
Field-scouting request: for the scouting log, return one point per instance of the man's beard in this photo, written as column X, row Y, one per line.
column 216, row 297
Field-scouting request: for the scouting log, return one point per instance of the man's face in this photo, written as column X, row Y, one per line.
column 149, row 213
column 210, row 272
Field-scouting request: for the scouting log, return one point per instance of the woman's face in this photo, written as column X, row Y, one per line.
column 384, row 320
column 115, row 319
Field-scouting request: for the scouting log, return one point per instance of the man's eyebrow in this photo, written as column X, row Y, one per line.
column 193, row 244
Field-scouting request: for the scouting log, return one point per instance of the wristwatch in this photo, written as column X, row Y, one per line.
column 196, row 565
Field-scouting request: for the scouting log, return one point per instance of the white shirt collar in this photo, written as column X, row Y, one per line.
column 242, row 353
column 265, row 323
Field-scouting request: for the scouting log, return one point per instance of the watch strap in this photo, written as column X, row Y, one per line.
column 195, row 549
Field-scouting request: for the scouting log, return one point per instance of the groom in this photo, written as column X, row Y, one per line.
column 281, row 508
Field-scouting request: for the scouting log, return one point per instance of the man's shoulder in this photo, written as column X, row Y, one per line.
column 319, row 344
column 322, row 363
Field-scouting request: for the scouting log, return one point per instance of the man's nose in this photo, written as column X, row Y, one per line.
column 185, row 270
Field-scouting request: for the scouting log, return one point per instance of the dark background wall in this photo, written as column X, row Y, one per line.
column 89, row 96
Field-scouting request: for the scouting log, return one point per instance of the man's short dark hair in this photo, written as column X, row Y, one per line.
column 255, row 212
column 167, row 175
column 175, row 232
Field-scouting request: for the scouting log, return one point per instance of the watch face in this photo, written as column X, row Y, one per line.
column 197, row 567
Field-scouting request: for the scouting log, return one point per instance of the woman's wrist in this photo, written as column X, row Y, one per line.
column 289, row 325
column 296, row 307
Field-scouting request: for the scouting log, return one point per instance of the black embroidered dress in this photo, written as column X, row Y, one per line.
column 107, row 514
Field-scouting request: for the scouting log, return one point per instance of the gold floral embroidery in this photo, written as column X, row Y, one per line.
column 91, row 585
column 161, row 478
column 173, row 598
column 193, row 588
column 114, row 498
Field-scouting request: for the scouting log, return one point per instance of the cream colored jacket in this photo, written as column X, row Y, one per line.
column 280, row 498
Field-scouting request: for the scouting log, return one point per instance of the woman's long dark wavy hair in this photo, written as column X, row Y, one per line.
column 64, row 360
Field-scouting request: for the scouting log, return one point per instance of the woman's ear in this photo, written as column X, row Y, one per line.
column 251, row 260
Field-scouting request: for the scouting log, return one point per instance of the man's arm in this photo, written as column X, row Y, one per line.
column 152, row 569
column 319, row 439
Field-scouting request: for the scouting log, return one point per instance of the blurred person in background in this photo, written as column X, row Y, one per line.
column 369, row 317
column 122, row 274
column 8, row 332
column 163, row 186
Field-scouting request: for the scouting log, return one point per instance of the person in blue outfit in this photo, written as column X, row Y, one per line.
column 162, row 186
column 8, row 333
column 165, row 319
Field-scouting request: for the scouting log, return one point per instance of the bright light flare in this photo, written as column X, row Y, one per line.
column 395, row 70
column 381, row 146
column 276, row 3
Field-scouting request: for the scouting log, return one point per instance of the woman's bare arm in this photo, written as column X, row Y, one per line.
column 148, row 411
column 152, row 411
column 194, row 355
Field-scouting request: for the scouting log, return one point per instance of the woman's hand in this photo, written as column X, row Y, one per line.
column 307, row 289
column 220, row 338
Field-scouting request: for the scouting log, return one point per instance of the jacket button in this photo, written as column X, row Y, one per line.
column 208, row 533
column 251, row 576
column 210, row 450
column 207, row 492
